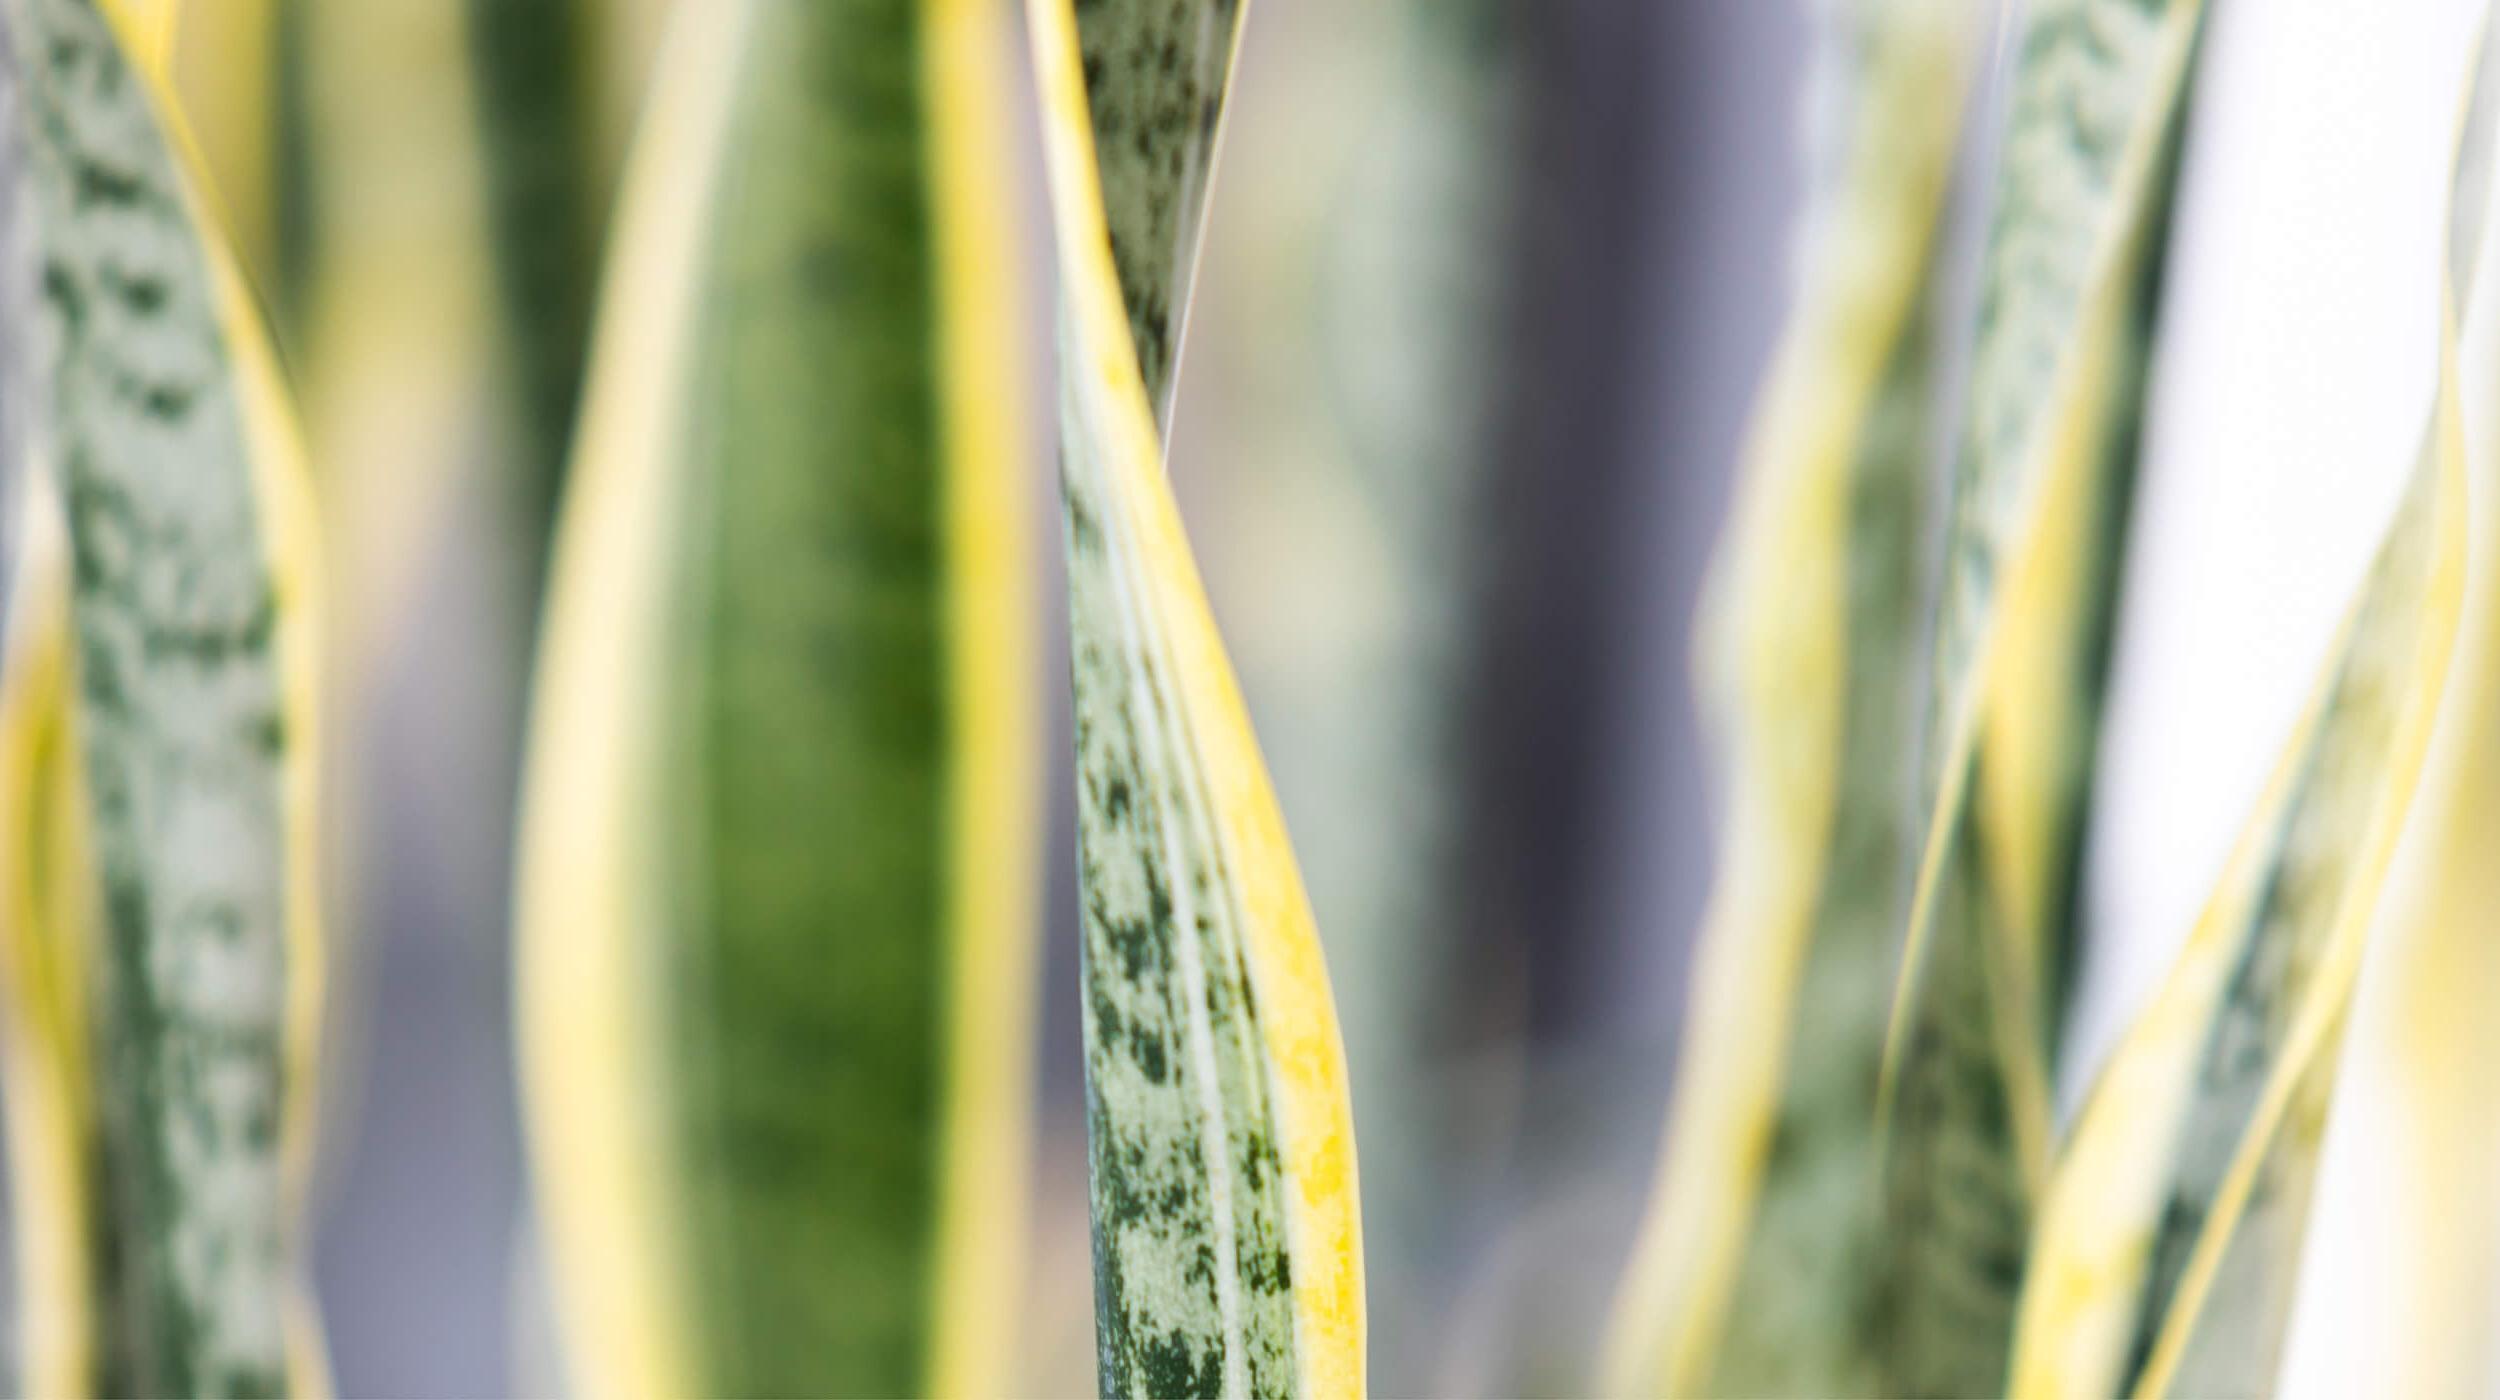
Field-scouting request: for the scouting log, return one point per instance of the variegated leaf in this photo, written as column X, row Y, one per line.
column 2039, row 501
column 2425, row 1037
column 2170, row 1241
column 1226, row 1229
column 776, row 891
column 164, row 954
column 1756, row 1272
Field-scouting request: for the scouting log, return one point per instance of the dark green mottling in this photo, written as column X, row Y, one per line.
column 132, row 400
column 2318, row 830
column 803, row 981
column 1958, row 1210
column 1152, row 875
column 1173, row 1061
column 1806, row 1308
column 2082, row 89
column 2369, row 685
column 1155, row 74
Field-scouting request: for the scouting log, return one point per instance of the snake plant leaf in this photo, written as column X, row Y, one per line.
column 535, row 89
column 2039, row 497
column 165, row 961
column 1156, row 76
column 224, row 71
column 2427, row 1038
column 776, row 896
column 1756, row 1269
column 147, row 28
column 1226, row 1229
column 2136, row 1191
column 47, row 932
column 2170, row 1240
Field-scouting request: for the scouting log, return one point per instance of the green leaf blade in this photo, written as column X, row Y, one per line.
column 791, row 582
column 1226, row 1224
column 2170, row 1245
column 1757, row 1271
column 143, row 388
column 2040, row 492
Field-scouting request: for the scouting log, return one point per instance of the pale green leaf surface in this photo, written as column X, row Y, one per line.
column 2039, row 495
column 140, row 382
column 1756, row 1271
column 2171, row 1241
column 1226, row 1229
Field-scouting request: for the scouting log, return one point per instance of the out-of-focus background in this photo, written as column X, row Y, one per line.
column 1485, row 293
column 1462, row 633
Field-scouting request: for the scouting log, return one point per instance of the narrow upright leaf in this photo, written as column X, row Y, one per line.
column 1756, row 1271
column 532, row 66
column 2170, row 1242
column 2040, row 489
column 775, row 897
column 1226, row 1231
column 2430, row 1046
column 164, row 961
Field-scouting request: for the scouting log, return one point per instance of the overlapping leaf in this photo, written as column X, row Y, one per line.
column 2039, row 497
column 2425, row 1046
column 1756, row 1272
column 2170, row 1241
column 776, row 892
column 1226, row 1235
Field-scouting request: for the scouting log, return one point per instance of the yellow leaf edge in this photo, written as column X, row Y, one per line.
column 1297, row 1022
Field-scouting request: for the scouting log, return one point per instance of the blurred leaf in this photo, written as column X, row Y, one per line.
column 1756, row 1272
column 164, row 956
column 2170, row 1241
column 546, row 184
column 2038, row 513
column 2428, row 1064
column 49, row 925
column 225, row 73
column 382, row 286
column 1227, row 1246
column 2138, row 1187
column 775, row 901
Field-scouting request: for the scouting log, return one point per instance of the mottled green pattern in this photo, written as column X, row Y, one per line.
column 2310, row 869
column 803, row 987
column 1958, row 1206
column 1192, row 1285
column 1155, row 74
column 2080, row 227
column 133, row 402
column 1807, row 1304
column 1193, row 1293
column 2371, row 685
column 2083, row 89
